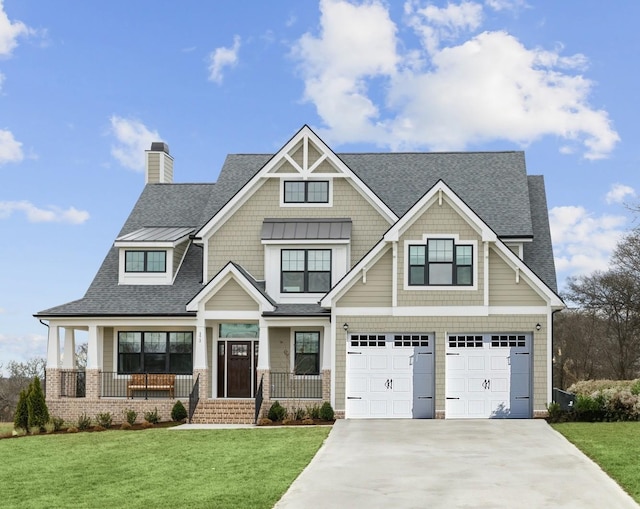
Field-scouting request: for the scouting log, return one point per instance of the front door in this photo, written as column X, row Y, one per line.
column 239, row 369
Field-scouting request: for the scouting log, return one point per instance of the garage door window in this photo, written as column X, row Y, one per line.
column 410, row 340
column 367, row 340
column 508, row 341
column 465, row 341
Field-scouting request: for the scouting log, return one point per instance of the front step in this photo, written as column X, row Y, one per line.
column 224, row 411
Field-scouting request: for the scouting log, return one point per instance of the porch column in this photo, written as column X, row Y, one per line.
column 200, row 364
column 326, row 362
column 94, row 345
column 264, row 360
column 69, row 355
column 52, row 380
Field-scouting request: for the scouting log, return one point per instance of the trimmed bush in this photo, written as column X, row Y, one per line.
column 131, row 416
column 178, row 412
column 37, row 406
column 152, row 416
column 277, row 412
column 84, row 422
column 104, row 420
column 326, row 412
column 21, row 416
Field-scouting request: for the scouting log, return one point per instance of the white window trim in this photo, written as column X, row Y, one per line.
column 145, row 278
column 446, row 288
column 292, row 350
column 297, row 178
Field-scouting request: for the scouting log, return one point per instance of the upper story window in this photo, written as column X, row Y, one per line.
column 441, row 262
column 308, row 191
column 306, row 270
column 145, row 261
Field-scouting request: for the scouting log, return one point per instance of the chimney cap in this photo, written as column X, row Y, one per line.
column 159, row 146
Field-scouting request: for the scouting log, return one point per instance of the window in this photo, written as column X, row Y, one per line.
column 306, row 270
column 306, row 192
column 441, row 263
column 307, row 358
column 155, row 352
column 145, row 261
column 238, row 330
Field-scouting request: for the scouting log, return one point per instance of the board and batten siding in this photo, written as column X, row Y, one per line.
column 376, row 292
column 231, row 297
column 442, row 326
column 238, row 239
column 440, row 219
column 503, row 288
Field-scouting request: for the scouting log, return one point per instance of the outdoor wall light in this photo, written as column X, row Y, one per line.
column 538, row 326
column 345, row 327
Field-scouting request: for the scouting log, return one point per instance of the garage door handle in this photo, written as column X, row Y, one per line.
column 353, row 397
column 425, row 397
column 354, row 353
column 452, row 398
column 450, row 353
column 522, row 353
column 522, row 397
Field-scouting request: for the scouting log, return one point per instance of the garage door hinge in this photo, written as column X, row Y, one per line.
column 353, row 397
column 425, row 397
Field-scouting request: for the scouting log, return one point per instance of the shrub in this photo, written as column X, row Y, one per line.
column 37, row 406
column 84, row 422
column 265, row 422
column 72, row 429
column 104, row 420
column 277, row 412
column 297, row 414
column 131, row 416
column 635, row 388
column 313, row 411
column 125, row 426
column 152, row 416
column 21, row 416
column 99, row 428
column 555, row 412
column 326, row 412
column 57, row 423
column 147, row 424
column 178, row 412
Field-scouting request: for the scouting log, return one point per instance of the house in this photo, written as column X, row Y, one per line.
column 393, row 285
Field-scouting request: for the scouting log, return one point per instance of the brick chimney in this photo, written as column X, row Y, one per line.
column 159, row 164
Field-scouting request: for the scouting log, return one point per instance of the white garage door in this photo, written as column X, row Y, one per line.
column 389, row 376
column 488, row 376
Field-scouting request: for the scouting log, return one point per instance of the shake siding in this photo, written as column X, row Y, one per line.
column 441, row 220
column 442, row 326
column 504, row 291
column 286, row 167
column 108, row 347
column 376, row 292
column 231, row 297
column 279, row 343
column 238, row 239
column 154, row 167
column 325, row 167
column 313, row 154
column 178, row 253
column 168, row 169
column 298, row 155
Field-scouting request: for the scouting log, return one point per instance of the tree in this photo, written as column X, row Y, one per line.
column 37, row 406
column 81, row 356
column 20, row 376
column 21, row 417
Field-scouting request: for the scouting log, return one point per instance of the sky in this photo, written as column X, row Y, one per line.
column 85, row 87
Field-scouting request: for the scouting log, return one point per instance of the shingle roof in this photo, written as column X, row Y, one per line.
column 493, row 184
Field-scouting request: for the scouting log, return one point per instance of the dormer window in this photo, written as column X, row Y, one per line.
column 307, row 191
column 145, row 261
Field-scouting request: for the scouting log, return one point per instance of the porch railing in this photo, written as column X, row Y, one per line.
column 290, row 385
column 194, row 397
column 259, row 399
column 115, row 385
column 72, row 383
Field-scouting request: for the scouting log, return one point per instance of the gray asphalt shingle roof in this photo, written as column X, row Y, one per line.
column 494, row 184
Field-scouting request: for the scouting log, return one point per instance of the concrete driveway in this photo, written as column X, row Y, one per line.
column 451, row 464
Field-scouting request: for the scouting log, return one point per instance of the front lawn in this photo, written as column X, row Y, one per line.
column 241, row 468
column 615, row 446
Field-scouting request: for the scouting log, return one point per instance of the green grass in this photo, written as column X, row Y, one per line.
column 243, row 468
column 615, row 446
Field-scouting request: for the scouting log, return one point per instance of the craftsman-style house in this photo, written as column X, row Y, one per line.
column 393, row 285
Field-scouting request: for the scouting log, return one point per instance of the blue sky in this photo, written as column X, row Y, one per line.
column 85, row 87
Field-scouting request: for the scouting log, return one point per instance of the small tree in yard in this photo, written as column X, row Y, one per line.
column 21, row 417
column 179, row 412
column 36, row 405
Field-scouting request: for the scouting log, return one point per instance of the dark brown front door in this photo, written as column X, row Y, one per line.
column 239, row 369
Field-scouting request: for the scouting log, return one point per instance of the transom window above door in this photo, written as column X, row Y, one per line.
column 307, row 191
column 306, row 270
column 440, row 262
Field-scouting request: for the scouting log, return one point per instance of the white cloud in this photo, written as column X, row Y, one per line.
column 10, row 148
column 21, row 348
column 223, row 57
column 39, row 215
column 10, row 32
column 618, row 193
column 583, row 242
column 480, row 88
column 133, row 139
column 505, row 5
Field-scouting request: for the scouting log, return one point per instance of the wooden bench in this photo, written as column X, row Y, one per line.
column 151, row 382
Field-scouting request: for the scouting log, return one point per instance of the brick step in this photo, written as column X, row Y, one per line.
column 224, row 411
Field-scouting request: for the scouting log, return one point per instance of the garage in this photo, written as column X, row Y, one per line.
column 488, row 376
column 390, row 376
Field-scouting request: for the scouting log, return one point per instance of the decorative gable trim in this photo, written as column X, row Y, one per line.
column 229, row 271
column 303, row 169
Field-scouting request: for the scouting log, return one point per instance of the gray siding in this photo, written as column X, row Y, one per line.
column 280, row 349
column 231, row 297
column 376, row 292
column 504, row 291
column 109, row 345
